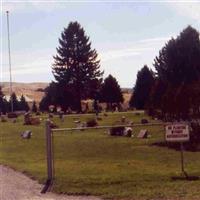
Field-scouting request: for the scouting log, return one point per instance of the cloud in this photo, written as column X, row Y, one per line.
column 27, row 63
column 116, row 54
column 35, row 65
column 189, row 9
column 20, row 6
column 138, row 48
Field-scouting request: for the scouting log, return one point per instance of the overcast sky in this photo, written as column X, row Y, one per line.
column 125, row 34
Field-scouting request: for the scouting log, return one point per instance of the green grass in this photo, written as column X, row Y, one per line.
column 94, row 163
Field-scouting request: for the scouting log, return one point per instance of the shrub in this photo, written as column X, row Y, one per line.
column 91, row 122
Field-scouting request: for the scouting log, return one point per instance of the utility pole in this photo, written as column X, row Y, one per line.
column 9, row 57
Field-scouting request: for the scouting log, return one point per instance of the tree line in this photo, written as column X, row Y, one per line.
column 18, row 105
column 172, row 91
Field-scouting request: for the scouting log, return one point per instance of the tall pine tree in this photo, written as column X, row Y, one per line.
column 76, row 65
column 1, row 100
column 178, row 68
column 34, row 107
column 23, row 104
column 15, row 102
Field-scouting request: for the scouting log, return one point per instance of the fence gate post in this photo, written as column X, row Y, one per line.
column 49, row 151
column 49, row 156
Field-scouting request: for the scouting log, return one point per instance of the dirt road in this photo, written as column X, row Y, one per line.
column 16, row 186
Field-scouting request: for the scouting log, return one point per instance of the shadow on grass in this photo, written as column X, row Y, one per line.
column 184, row 178
column 176, row 146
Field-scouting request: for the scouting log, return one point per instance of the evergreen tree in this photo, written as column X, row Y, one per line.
column 44, row 104
column 23, row 104
column 57, row 94
column 3, row 103
column 111, row 92
column 76, row 65
column 16, row 104
column 34, row 107
column 178, row 68
column 141, row 91
column 179, row 60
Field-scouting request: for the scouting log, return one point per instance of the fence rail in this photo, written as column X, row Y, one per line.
column 105, row 127
column 49, row 143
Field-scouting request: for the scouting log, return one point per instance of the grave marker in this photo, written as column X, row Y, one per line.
column 143, row 134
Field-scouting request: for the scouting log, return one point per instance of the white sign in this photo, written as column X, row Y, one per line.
column 177, row 133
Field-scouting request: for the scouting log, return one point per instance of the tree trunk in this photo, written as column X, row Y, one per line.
column 79, row 107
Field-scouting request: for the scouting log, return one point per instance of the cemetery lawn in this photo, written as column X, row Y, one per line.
column 94, row 163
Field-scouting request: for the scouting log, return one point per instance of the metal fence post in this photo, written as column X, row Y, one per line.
column 49, row 157
column 49, row 151
column 182, row 161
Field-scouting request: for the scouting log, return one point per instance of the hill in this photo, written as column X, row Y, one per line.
column 35, row 91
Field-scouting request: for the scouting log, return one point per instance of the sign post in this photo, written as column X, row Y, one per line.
column 178, row 132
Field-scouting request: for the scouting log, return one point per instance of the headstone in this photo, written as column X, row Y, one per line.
column 143, row 134
column 27, row 120
column 50, row 115
column 99, row 118
column 3, row 118
column 37, row 113
column 53, row 125
column 123, row 119
column 26, row 134
column 128, row 131
column 12, row 115
column 105, row 114
column 144, row 121
column 81, row 125
column 35, row 120
column 130, row 123
column 116, row 131
column 61, row 116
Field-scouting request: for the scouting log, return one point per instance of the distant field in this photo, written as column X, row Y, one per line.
column 94, row 163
